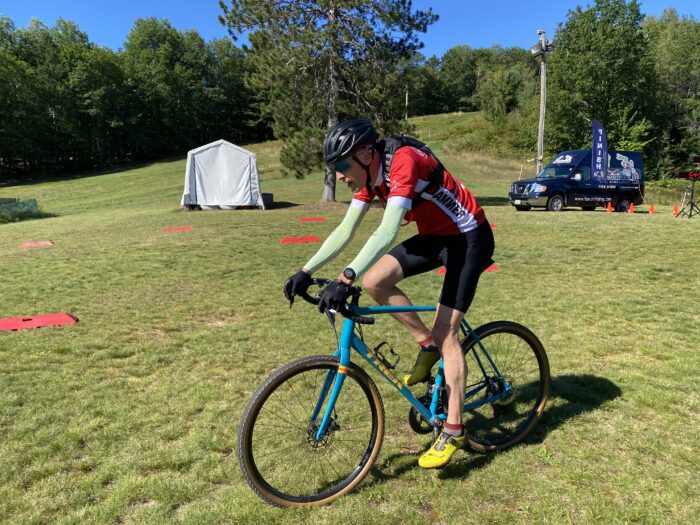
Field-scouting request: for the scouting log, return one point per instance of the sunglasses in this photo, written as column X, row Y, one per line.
column 342, row 165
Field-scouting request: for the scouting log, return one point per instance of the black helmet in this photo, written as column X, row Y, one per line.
column 346, row 137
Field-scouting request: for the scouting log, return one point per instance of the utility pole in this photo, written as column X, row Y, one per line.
column 540, row 49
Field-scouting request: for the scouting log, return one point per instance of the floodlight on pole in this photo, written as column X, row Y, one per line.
column 540, row 49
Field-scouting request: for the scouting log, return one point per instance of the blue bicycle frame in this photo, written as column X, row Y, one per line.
column 333, row 383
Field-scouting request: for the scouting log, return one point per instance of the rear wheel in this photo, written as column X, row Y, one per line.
column 523, row 385
column 278, row 452
column 623, row 205
column 555, row 203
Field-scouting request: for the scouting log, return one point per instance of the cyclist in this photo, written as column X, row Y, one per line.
column 453, row 231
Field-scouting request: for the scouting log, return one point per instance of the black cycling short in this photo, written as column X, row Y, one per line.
column 465, row 256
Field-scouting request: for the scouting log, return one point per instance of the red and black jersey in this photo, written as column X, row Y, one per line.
column 450, row 209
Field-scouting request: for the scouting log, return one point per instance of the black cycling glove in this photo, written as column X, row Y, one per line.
column 334, row 295
column 297, row 284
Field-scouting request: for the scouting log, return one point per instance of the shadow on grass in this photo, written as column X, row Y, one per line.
column 273, row 206
column 579, row 393
column 493, row 201
column 22, row 218
column 278, row 205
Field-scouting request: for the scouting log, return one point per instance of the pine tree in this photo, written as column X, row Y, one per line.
column 316, row 62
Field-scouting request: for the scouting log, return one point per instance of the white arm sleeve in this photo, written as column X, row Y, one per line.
column 382, row 238
column 340, row 237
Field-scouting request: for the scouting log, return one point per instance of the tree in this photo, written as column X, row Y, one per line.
column 234, row 106
column 458, row 78
column 426, row 94
column 601, row 69
column 320, row 61
column 674, row 43
column 500, row 90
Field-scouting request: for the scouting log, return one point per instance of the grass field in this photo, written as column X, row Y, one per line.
column 130, row 416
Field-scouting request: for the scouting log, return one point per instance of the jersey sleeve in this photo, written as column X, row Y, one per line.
column 403, row 178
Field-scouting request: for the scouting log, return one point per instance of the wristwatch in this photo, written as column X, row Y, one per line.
column 349, row 274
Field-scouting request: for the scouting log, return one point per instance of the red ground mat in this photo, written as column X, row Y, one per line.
column 290, row 240
column 178, row 229
column 37, row 321
column 36, row 243
column 312, row 219
column 492, row 268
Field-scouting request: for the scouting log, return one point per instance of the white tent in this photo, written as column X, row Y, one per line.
column 221, row 175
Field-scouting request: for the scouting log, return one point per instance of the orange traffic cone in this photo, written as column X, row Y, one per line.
column 675, row 210
column 652, row 211
column 631, row 208
column 609, row 207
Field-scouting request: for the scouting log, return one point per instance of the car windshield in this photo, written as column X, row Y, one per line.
column 555, row 172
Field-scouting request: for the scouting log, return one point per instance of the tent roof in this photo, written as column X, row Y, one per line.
column 218, row 143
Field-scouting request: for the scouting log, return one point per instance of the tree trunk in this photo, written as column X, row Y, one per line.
column 328, row 187
column 329, row 180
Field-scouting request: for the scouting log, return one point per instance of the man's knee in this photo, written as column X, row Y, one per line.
column 382, row 277
column 375, row 283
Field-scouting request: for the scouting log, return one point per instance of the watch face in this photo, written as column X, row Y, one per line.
column 349, row 273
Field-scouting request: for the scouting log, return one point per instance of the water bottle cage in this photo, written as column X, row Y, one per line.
column 383, row 359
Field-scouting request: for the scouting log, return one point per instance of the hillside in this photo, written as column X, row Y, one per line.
column 130, row 416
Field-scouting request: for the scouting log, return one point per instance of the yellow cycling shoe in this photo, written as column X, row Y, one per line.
column 442, row 451
column 427, row 357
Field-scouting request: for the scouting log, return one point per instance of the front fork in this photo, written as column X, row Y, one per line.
column 333, row 382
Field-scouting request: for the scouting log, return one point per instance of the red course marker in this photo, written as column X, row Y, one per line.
column 37, row 321
column 493, row 225
column 492, row 268
column 36, row 243
column 178, row 229
column 312, row 219
column 291, row 240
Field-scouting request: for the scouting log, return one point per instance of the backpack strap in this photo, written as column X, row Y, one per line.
column 388, row 148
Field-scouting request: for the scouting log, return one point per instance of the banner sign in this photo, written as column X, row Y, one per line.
column 599, row 157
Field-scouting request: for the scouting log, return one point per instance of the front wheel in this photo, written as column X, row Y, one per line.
column 517, row 376
column 279, row 453
column 555, row 203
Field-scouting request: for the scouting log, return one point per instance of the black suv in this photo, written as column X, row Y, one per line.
column 567, row 181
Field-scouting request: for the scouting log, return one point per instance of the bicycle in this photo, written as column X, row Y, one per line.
column 314, row 428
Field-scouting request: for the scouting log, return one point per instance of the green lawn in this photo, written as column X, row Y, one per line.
column 130, row 416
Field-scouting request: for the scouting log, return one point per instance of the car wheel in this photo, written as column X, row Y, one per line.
column 522, row 208
column 555, row 203
column 623, row 205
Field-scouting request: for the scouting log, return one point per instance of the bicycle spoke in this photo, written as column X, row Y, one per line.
column 285, row 453
column 504, row 420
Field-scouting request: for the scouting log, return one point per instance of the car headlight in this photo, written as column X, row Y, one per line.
column 538, row 188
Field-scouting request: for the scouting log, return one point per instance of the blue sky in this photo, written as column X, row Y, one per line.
column 477, row 23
